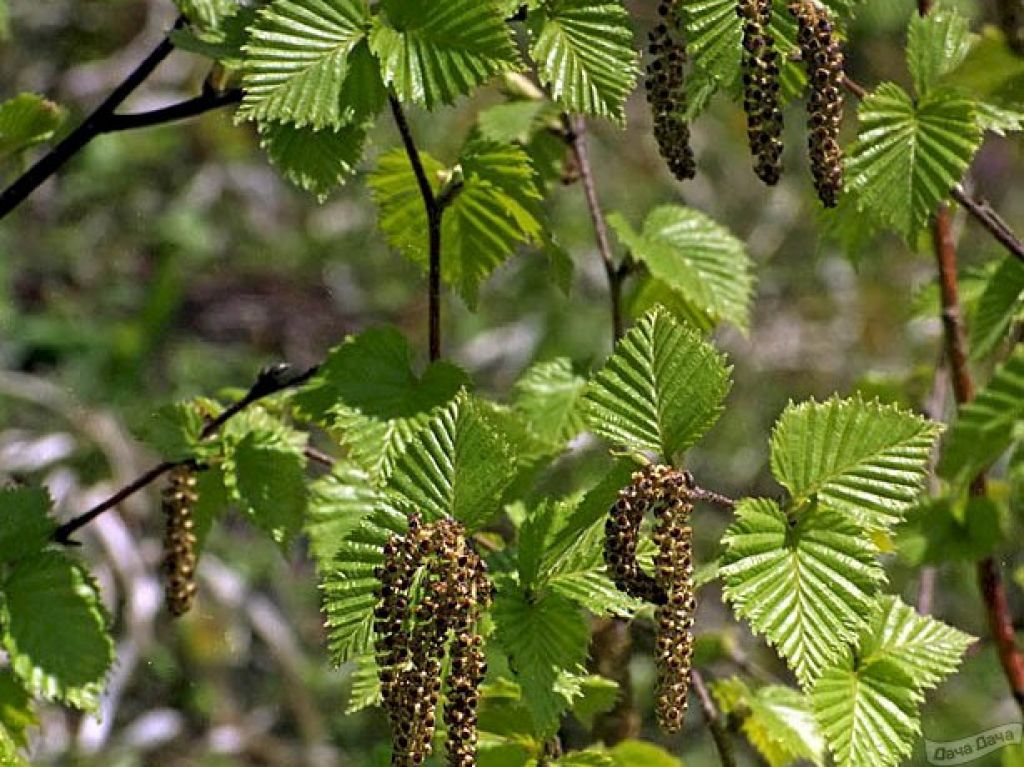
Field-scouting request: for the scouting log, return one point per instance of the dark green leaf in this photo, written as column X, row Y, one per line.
column 25, row 524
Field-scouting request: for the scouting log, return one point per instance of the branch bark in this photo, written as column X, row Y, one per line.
column 713, row 718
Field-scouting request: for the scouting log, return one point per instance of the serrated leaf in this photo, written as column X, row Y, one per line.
column 777, row 721
column 864, row 459
column 548, row 397
column 367, row 391
column 25, row 524
column 338, row 502
column 713, row 38
column 213, row 500
column 270, row 477
column 543, row 637
column 174, row 430
column 937, row 43
column 697, row 258
column 349, row 584
column 224, row 43
column 208, row 14
column 496, row 209
column 432, row 51
column 365, row 682
column 661, row 390
column 457, row 465
column 55, row 630
column 317, row 161
column 907, row 156
column 806, row 584
column 985, row 428
column 585, row 55
column 16, row 714
column 515, row 121
column 26, row 120
column 868, row 715
column 999, row 306
column 598, row 695
column 297, row 61
column 638, row 753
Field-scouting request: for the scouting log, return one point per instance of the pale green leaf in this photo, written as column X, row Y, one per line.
column 548, row 397
column 661, row 390
column 864, row 459
column 297, row 61
column 26, row 120
column 317, row 161
column 598, row 695
column 638, row 753
column 936, row 44
column 457, row 465
column 174, row 430
column 713, row 33
column 985, row 428
column 224, row 43
column 696, row 257
column 338, row 502
column 806, row 583
column 907, row 156
column 208, row 14
column 998, row 307
column 432, row 51
column 270, row 478
column 16, row 714
column 25, row 524
column 585, row 55
column 516, row 121
column 55, row 630
column 365, row 681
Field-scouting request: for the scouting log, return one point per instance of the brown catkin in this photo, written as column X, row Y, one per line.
column 666, row 91
column 823, row 59
column 411, row 640
column 179, row 562
column 665, row 492
column 761, row 83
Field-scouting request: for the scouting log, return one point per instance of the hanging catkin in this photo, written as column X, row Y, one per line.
column 666, row 91
column 179, row 562
column 760, row 64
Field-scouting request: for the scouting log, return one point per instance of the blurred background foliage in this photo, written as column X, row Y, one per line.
column 173, row 262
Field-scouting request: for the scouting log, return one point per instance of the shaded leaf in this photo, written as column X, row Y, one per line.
column 317, row 161
column 1000, row 305
column 26, row 120
column 549, row 399
column 25, row 524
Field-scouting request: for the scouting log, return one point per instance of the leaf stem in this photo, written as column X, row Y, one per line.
column 270, row 381
column 435, row 213
column 714, row 720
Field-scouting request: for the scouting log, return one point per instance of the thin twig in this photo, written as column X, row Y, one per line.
column 714, row 720
column 435, row 213
column 576, row 135
column 716, row 499
column 270, row 381
column 204, row 102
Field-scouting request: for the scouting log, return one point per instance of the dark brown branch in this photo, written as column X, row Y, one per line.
column 715, row 499
column 270, row 381
column 205, row 102
column 714, row 720
column 435, row 214
column 576, row 135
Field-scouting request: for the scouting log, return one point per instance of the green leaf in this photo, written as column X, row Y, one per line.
column 940, row 531
column 864, row 459
column 26, row 120
column 224, row 43
column 25, row 524
column 338, row 502
column 516, row 122
column 208, row 14
column 777, row 721
column 908, row 156
column 432, row 51
column 365, row 685
column 270, row 475
column 543, row 637
column 936, row 44
column 548, row 397
column 807, row 584
column 697, row 258
column 457, row 465
column 369, row 393
column 985, row 428
column 585, row 55
column 991, row 73
column 1000, row 305
column 55, row 630
column 213, row 500
column 297, row 61
column 174, row 430
column 496, row 209
column 638, row 753
column 317, row 161
column 713, row 34
column 16, row 714
column 661, row 390
column 598, row 695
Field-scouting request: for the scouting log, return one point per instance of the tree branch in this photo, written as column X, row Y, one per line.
column 435, row 213
column 105, row 120
column 270, row 381
column 714, row 720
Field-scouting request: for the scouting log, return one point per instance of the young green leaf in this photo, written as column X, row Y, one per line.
column 365, row 681
column 908, row 155
column 639, row 753
column 585, row 55
column 16, row 714
column 714, row 34
column 26, row 120
column 937, row 43
column 661, row 390
column 1000, row 305
column 297, row 61
column 864, row 459
column 317, row 161
column 457, row 465
column 207, row 14
column 338, row 502
column 697, row 258
column 25, row 524
column 432, row 51
column 986, row 427
column 516, row 122
column 805, row 584
column 55, row 630
column 174, row 430
column 270, row 478
column 549, row 399
column 224, row 43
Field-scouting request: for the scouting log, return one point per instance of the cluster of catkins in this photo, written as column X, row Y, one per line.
column 412, row 635
column 179, row 562
column 824, row 61
column 665, row 492
column 666, row 91
column 761, row 85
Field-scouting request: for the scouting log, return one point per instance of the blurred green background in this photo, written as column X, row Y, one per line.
column 173, row 262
